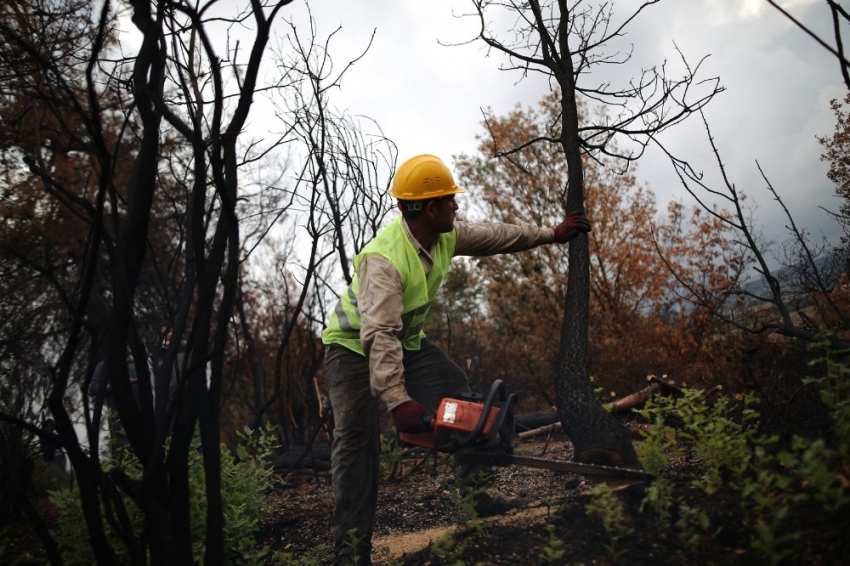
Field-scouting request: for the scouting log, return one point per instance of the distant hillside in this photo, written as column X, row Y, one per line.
column 795, row 280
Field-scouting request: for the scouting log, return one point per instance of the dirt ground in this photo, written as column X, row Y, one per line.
column 418, row 522
column 417, row 507
column 417, row 510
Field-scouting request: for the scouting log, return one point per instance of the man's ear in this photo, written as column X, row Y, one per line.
column 431, row 207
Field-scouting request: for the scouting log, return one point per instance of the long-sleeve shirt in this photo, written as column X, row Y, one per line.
column 380, row 296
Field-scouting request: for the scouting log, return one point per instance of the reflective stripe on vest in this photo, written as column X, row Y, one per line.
column 344, row 323
column 418, row 289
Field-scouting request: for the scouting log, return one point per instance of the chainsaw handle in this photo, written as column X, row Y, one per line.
column 498, row 388
column 504, row 425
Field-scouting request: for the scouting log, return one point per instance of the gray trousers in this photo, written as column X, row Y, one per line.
column 429, row 376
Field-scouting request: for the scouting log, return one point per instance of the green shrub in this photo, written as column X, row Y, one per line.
column 449, row 550
column 553, row 552
column 391, row 457
column 468, row 485
column 771, row 483
column 246, row 479
column 606, row 507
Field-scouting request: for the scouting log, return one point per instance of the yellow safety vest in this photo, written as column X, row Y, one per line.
column 418, row 290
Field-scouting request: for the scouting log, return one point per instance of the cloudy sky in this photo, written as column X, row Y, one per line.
column 428, row 97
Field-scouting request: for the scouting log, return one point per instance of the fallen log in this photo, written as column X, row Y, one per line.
column 316, row 457
column 638, row 431
column 540, row 431
column 531, row 421
column 546, row 422
column 631, row 401
column 664, row 382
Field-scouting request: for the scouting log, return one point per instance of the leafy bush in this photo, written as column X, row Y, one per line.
column 771, row 484
column 605, row 506
column 391, row 457
column 246, row 478
column 553, row 552
column 449, row 550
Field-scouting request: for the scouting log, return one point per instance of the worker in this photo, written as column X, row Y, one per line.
column 376, row 350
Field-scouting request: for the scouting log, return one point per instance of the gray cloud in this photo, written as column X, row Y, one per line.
column 427, row 97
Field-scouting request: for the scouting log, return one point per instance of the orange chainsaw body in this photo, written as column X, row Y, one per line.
column 453, row 417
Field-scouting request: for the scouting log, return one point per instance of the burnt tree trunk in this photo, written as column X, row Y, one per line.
column 596, row 434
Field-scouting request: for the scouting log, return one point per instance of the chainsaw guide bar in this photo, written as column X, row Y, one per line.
column 478, row 429
column 590, row 471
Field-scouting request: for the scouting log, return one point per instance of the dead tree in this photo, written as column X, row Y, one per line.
column 565, row 40
column 738, row 302
column 337, row 191
column 174, row 109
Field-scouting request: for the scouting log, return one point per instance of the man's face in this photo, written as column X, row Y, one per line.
column 444, row 214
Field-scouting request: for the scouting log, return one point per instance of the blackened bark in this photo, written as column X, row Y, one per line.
column 585, row 421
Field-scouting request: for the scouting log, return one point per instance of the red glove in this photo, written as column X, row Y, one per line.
column 412, row 417
column 571, row 227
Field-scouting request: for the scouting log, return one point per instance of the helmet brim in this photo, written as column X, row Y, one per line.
column 424, row 195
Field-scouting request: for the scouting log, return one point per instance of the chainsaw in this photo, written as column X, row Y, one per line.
column 479, row 429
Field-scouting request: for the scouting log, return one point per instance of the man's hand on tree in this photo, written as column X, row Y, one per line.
column 411, row 417
column 573, row 225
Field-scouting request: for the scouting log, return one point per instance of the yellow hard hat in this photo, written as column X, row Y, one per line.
column 422, row 177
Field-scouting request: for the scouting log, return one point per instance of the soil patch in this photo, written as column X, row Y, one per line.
column 416, row 510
